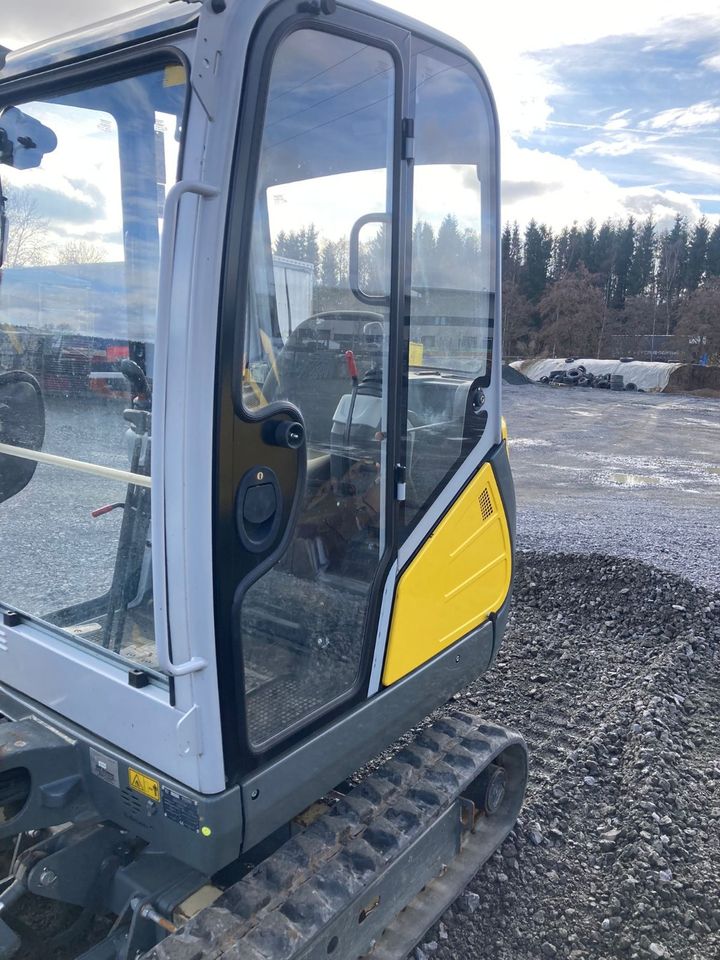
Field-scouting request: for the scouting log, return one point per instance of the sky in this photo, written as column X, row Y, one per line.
column 605, row 112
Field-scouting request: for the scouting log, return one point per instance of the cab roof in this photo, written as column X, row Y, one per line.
column 154, row 20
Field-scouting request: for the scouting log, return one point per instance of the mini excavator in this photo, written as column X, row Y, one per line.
column 256, row 510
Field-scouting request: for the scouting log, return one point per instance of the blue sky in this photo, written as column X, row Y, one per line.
column 644, row 111
column 606, row 110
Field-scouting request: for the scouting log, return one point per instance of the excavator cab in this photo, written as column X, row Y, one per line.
column 255, row 500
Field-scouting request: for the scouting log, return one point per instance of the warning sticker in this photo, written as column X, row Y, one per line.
column 143, row 784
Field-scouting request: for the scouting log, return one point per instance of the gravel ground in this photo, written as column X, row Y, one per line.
column 626, row 474
column 54, row 552
column 610, row 669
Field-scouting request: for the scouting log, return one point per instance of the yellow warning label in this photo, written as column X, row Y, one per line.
column 416, row 353
column 174, row 75
column 142, row 784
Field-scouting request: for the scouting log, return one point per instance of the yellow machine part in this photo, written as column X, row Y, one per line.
column 459, row 576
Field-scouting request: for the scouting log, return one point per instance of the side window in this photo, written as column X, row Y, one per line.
column 77, row 332
column 452, row 270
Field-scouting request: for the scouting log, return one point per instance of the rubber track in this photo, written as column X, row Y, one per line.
column 275, row 911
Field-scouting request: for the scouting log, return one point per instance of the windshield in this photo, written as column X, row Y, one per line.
column 84, row 178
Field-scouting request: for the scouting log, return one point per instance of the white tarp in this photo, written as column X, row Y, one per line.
column 651, row 376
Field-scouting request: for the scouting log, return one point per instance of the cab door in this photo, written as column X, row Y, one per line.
column 309, row 355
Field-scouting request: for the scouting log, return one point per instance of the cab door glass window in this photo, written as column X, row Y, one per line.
column 84, row 177
column 312, row 339
column 452, row 272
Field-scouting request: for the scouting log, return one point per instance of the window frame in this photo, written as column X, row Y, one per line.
column 490, row 206
column 411, row 534
column 56, row 82
column 41, row 665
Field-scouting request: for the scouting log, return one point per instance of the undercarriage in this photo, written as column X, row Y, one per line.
column 365, row 871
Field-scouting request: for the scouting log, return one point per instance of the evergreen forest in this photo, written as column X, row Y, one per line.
column 591, row 290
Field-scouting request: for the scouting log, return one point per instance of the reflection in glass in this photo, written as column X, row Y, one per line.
column 77, row 317
column 326, row 152
column 452, row 273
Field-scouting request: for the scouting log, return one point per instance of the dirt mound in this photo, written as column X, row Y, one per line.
column 610, row 670
column 513, row 376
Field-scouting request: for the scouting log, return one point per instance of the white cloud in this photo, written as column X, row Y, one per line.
column 710, row 171
column 712, row 63
column 618, row 121
column 522, row 94
column 701, row 114
column 618, row 146
column 565, row 191
column 526, row 25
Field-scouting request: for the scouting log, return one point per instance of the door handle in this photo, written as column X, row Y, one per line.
column 354, row 260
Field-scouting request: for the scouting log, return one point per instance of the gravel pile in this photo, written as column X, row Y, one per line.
column 683, row 541
column 611, row 669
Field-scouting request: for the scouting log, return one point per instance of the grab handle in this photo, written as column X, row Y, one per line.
column 167, row 261
column 354, row 260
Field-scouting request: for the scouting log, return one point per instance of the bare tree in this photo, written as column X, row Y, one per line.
column 28, row 238
column 80, row 251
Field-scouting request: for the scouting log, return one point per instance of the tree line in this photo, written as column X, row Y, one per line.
column 586, row 290
column 445, row 261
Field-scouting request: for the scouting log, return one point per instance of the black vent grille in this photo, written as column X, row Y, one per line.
column 133, row 803
column 486, row 507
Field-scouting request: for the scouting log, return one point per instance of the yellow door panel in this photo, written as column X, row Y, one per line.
column 459, row 576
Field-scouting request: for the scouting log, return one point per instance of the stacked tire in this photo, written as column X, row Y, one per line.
column 580, row 376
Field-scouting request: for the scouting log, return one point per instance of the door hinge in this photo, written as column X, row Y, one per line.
column 408, row 139
column 400, row 481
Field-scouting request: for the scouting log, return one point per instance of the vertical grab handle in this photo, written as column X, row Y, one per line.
column 354, row 260
column 165, row 282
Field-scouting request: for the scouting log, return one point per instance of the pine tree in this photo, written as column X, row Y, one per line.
column 605, row 258
column 673, row 262
column 423, row 258
column 329, row 266
column 642, row 272
column 622, row 262
column 516, row 250
column 697, row 255
column 588, row 249
column 575, row 248
column 713, row 252
column 511, row 252
column 449, row 254
column 560, row 254
column 311, row 245
column 537, row 249
column 505, row 242
column 280, row 246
